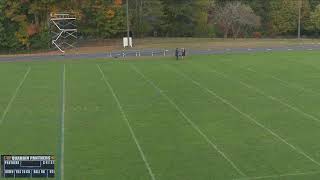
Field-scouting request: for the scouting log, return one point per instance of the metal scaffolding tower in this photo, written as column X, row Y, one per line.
column 64, row 31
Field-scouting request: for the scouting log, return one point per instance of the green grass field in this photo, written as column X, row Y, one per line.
column 240, row 116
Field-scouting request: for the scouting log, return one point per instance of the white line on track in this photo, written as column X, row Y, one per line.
column 280, row 175
column 5, row 112
column 128, row 123
column 189, row 121
column 296, row 109
column 63, row 109
column 252, row 119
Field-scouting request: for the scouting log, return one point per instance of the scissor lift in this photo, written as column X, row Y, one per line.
column 64, row 31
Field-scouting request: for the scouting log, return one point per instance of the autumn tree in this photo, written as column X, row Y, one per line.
column 315, row 20
column 284, row 15
column 185, row 17
column 235, row 17
column 24, row 23
column 146, row 17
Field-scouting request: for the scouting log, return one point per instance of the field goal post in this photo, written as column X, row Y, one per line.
column 63, row 28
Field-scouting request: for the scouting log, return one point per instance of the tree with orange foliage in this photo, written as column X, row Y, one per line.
column 118, row 2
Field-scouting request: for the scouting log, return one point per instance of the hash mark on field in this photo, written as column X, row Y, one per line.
column 296, row 109
column 252, row 119
column 5, row 112
column 280, row 175
column 63, row 108
column 127, row 122
column 189, row 120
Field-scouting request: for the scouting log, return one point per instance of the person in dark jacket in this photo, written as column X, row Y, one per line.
column 183, row 53
column 177, row 54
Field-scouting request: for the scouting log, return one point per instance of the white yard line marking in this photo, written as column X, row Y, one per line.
column 128, row 123
column 189, row 120
column 63, row 109
column 286, row 83
column 252, row 119
column 280, row 175
column 5, row 112
column 298, row 110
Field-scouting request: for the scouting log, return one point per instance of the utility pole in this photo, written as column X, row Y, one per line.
column 128, row 24
column 299, row 20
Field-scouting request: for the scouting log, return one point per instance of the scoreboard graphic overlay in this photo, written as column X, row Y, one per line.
column 27, row 166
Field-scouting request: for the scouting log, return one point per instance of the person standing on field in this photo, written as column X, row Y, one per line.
column 183, row 53
column 177, row 54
